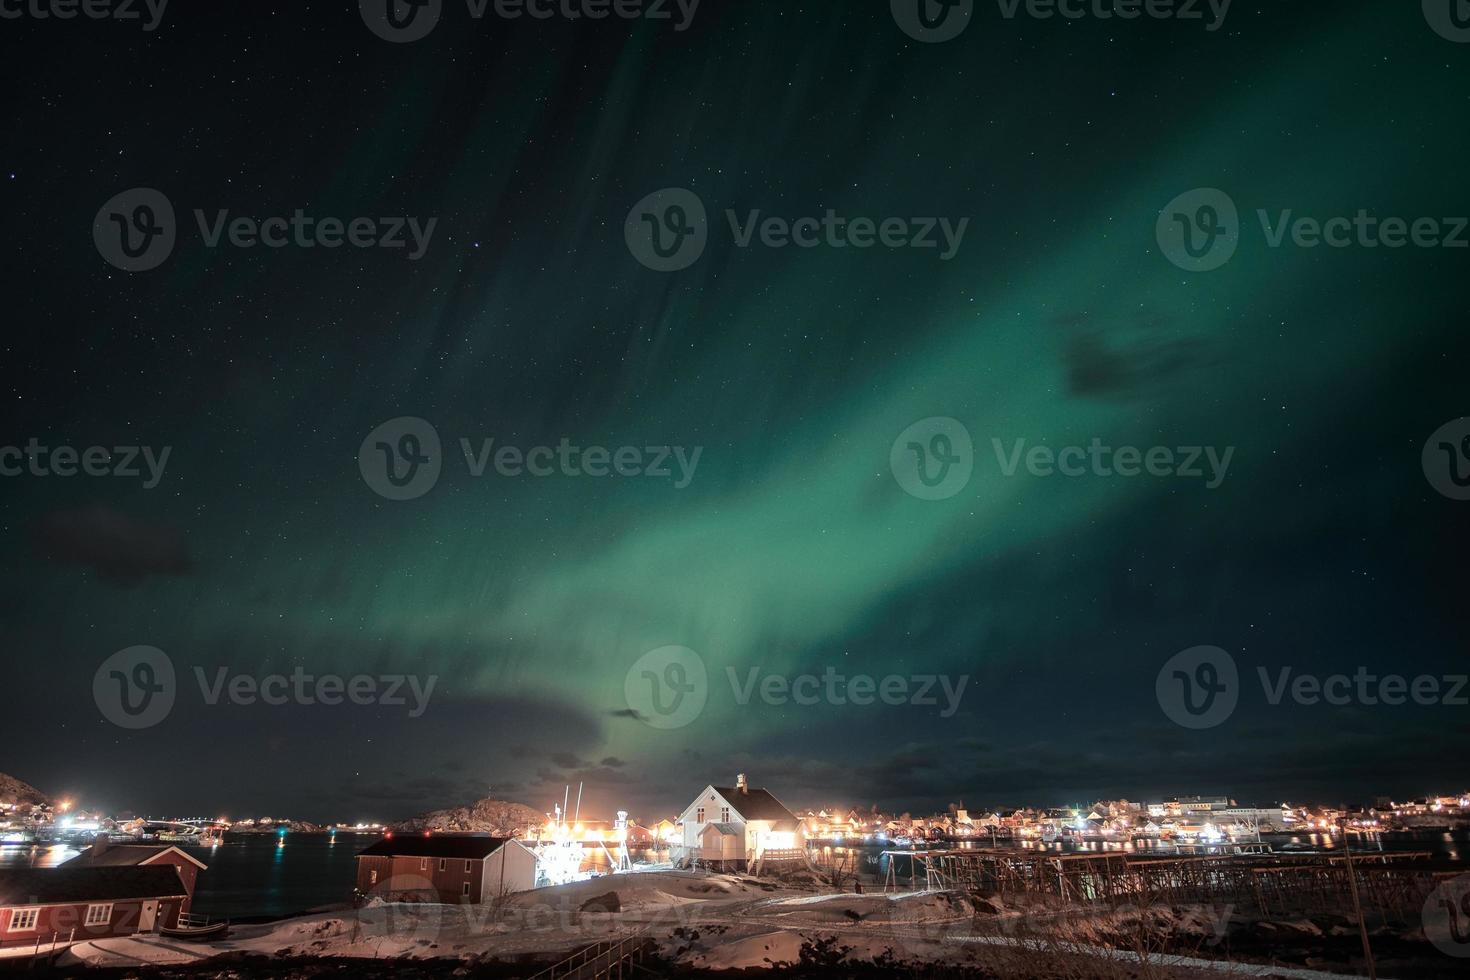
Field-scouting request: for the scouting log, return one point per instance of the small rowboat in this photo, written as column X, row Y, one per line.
column 217, row 930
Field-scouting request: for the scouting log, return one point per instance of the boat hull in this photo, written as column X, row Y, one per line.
column 217, row 931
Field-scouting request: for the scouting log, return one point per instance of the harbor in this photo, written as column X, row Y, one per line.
column 504, row 887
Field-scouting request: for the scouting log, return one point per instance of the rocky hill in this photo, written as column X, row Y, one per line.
column 291, row 826
column 485, row 817
column 14, row 791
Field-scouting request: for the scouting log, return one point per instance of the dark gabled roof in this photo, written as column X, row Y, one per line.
column 126, row 856
column 464, row 847
column 55, row 886
column 755, row 804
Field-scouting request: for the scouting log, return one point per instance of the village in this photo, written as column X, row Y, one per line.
column 135, row 880
column 1181, row 818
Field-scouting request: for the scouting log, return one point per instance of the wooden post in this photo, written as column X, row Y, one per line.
column 1347, row 853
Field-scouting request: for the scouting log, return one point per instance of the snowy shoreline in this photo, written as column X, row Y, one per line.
column 704, row 923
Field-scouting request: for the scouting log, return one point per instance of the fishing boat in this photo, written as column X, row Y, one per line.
column 178, row 836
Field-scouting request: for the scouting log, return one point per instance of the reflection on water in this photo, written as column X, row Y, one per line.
column 36, row 855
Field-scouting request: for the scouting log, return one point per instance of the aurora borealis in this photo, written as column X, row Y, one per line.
column 792, row 549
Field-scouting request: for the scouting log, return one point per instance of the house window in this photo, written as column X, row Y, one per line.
column 469, row 866
column 372, row 877
column 423, row 864
column 444, row 864
column 23, row 919
column 724, row 814
column 699, row 815
column 99, row 915
column 465, row 891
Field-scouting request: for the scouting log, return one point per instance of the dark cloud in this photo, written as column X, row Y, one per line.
column 429, row 792
column 592, row 777
column 121, row 549
column 1130, row 359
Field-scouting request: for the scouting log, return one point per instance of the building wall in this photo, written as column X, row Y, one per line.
column 713, row 804
column 188, row 874
column 60, row 920
column 510, row 869
column 421, row 879
column 715, row 846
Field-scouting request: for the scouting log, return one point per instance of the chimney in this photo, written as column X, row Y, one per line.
column 740, row 785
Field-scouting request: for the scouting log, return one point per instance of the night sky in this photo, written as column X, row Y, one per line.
column 793, row 548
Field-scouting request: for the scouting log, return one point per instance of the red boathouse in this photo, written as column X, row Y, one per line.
column 67, row 903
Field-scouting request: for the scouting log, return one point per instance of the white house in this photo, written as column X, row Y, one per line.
column 739, row 827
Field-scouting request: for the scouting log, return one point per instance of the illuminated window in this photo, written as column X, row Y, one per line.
column 99, row 915
column 372, row 877
column 22, row 919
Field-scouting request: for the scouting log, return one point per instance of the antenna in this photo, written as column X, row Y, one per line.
column 579, row 804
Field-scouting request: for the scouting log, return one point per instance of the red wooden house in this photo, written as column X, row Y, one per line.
column 75, row 903
column 451, row 869
column 105, row 855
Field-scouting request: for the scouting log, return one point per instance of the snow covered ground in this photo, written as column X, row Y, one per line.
column 710, row 921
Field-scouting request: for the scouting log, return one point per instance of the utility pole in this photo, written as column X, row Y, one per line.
column 1347, row 853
